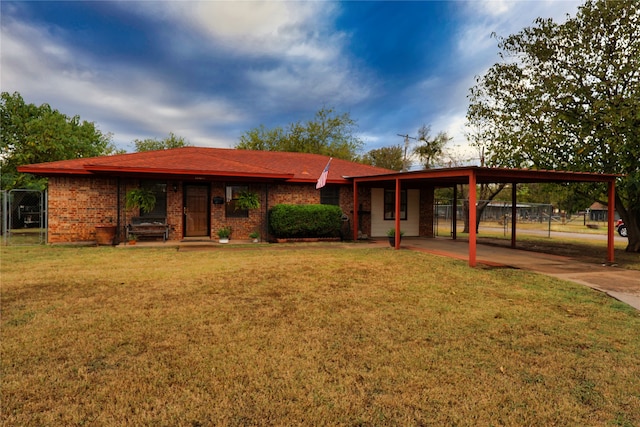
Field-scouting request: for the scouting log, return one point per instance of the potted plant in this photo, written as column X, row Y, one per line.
column 224, row 234
column 132, row 239
column 141, row 198
column 248, row 200
column 391, row 234
column 255, row 236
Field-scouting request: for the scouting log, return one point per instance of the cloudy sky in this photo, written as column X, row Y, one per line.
column 211, row 70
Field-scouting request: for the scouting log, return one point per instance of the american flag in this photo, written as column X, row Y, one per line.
column 323, row 176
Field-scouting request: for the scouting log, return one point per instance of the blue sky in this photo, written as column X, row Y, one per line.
column 209, row 71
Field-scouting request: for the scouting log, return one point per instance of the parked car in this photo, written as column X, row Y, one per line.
column 622, row 229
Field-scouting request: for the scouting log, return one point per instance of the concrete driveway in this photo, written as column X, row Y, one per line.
column 622, row 284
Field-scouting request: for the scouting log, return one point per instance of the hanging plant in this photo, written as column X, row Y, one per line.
column 141, row 198
column 248, row 200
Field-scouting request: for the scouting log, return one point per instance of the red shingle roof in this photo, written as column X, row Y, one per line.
column 210, row 163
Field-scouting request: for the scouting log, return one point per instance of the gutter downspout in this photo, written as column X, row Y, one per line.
column 398, row 200
column 355, row 211
column 266, row 211
column 118, row 211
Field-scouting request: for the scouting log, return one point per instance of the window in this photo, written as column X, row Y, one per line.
column 159, row 188
column 330, row 195
column 390, row 204
column 232, row 193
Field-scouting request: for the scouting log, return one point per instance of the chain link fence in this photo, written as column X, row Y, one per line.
column 23, row 217
column 495, row 218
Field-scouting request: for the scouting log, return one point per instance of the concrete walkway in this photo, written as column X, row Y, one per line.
column 621, row 284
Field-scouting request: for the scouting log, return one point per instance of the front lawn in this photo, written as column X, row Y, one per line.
column 314, row 336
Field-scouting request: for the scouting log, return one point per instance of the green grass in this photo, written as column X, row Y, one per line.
column 24, row 237
column 317, row 336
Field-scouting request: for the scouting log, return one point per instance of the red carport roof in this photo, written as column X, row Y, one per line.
column 485, row 175
column 209, row 163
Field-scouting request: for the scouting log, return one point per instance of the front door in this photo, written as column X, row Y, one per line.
column 196, row 210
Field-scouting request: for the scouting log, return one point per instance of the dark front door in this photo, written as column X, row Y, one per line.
column 196, row 210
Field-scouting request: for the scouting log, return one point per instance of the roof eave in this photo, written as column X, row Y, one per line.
column 313, row 181
column 52, row 171
column 182, row 172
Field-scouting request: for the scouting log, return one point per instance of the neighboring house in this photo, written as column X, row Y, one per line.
column 599, row 212
column 196, row 189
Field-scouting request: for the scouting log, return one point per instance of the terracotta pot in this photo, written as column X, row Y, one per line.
column 392, row 241
column 105, row 234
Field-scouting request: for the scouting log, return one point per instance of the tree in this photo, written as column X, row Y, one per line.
column 36, row 134
column 384, row 157
column 329, row 134
column 431, row 149
column 567, row 96
column 151, row 144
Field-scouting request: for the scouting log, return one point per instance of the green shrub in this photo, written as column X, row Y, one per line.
column 305, row 221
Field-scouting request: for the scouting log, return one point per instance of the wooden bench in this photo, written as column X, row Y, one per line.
column 151, row 227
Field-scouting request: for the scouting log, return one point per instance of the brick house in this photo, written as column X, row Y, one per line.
column 196, row 189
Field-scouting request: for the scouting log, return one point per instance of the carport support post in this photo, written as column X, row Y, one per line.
column 398, row 199
column 472, row 219
column 611, row 209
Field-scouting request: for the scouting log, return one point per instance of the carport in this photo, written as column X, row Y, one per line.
column 473, row 175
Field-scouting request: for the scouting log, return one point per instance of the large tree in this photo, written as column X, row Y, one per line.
column 567, row 96
column 36, row 134
column 385, row 157
column 150, row 144
column 430, row 149
column 328, row 133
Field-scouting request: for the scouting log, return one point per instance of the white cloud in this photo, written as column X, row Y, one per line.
column 307, row 61
column 36, row 64
column 502, row 18
column 253, row 28
column 305, row 67
column 477, row 51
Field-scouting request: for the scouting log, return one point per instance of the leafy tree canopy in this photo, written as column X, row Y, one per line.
column 384, row 157
column 36, row 134
column 430, row 149
column 567, row 96
column 151, row 144
column 328, row 133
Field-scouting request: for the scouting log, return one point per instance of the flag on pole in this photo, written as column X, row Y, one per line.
column 323, row 176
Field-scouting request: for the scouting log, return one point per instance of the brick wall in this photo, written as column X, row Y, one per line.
column 174, row 210
column 77, row 205
column 240, row 227
column 307, row 194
